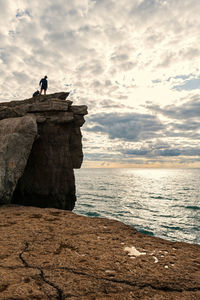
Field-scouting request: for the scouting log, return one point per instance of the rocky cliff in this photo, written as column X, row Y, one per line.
column 40, row 145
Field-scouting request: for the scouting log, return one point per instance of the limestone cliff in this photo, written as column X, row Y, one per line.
column 40, row 145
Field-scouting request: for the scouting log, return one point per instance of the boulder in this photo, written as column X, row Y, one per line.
column 17, row 136
column 42, row 168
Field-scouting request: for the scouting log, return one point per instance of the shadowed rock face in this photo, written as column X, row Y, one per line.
column 17, row 136
column 40, row 144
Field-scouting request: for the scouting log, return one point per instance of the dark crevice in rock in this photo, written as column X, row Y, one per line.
column 135, row 284
column 125, row 282
column 21, row 257
column 42, row 275
column 59, row 291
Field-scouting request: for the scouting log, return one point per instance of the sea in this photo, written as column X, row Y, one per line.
column 163, row 203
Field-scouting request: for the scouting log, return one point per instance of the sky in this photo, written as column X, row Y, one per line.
column 134, row 63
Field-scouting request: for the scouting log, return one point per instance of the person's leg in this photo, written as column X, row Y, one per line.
column 44, row 91
column 41, row 91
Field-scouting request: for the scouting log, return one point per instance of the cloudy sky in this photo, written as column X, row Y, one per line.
column 134, row 63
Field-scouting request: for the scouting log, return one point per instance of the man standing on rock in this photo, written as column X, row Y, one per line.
column 44, row 85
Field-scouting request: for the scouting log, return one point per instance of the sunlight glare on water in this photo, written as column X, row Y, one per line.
column 159, row 202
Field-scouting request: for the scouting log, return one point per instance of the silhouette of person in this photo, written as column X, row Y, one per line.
column 44, row 85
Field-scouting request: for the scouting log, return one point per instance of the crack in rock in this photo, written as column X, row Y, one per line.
column 126, row 282
column 59, row 291
column 21, row 257
column 42, row 275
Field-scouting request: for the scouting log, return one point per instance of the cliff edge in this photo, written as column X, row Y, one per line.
column 40, row 145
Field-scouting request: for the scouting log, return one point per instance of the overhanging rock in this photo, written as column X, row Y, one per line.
column 40, row 145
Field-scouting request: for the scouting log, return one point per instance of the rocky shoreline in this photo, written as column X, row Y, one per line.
column 49, row 253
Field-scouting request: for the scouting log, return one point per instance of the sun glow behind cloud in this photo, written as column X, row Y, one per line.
column 136, row 64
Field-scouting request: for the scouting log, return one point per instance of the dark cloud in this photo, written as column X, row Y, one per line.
column 186, row 126
column 185, row 111
column 97, row 156
column 191, row 151
column 135, row 152
column 172, row 133
column 183, row 119
column 155, row 148
column 144, row 135
column 168, row 152
column 126, row 126
column 152, row 151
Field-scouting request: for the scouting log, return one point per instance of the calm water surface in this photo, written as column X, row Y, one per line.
column 160, row 202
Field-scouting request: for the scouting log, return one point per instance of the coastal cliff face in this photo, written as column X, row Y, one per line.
column 40, row 145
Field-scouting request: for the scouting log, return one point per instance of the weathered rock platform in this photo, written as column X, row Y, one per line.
column 56, row 254
column 40, row 145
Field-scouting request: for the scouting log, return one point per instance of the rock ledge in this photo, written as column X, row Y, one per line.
column 56, row 254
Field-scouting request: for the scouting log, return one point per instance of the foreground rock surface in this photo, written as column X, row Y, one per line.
column 40, row 145
column 56, row 254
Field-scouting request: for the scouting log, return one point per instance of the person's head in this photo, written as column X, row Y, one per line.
column 45, row 77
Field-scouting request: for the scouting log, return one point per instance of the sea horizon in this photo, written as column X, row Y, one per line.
column 178, row 168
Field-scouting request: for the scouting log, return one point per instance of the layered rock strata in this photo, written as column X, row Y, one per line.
column 61, row 255
column 40, row 145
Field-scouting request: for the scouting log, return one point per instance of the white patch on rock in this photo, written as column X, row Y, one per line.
column 156, row 260
column 132, row 251
column 166, row 267
column 110, row 271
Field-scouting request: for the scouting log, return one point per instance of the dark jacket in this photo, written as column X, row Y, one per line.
column 44, row 83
